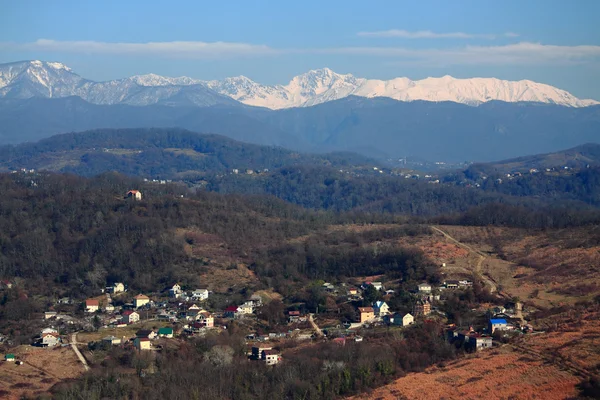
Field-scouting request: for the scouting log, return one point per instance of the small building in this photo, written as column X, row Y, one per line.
column 451, row 284
column 112, row 340
column 271, row 357
column 479, row 342
column 381, row 308
column 424, row 288
column 376, row 285
column 140, row 300
column 200, row 294
column 130, row 317
column 134, row 194
column 50, row 339
column 367, row 314
column 118, row 287
column 246, row 308
column 142, row 343
column 146, row 333
column 9, row 357
column 175, row 291
column 352, row 291
column 92, row 305
column 293, row 316
column 166, row 332
column 50, row 314
column 399, row 319
column 231, row 312
column 497, row 323
column 109, row 308
column 206, row 319
column 256, row 353
column 423, row 308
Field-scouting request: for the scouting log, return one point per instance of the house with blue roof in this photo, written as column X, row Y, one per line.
column 497, row 323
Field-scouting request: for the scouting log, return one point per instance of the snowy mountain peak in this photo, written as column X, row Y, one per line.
column 157, row 80
column 52, row 79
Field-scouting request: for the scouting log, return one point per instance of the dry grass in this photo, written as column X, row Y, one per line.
column 488, row 375
column 42, row 369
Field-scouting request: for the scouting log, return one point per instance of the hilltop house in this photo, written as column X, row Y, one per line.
column 130, row 317
column 452, row 284
column 50, row 314
column 140, row 300
column 134, row 194
column 381, row 308
column 9, row 357
column 367, row 314
column 92, row 305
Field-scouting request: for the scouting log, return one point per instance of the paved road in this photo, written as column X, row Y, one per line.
column 491, row 284
column 77, row 352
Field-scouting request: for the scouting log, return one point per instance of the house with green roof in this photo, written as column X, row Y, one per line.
column 9, row 357
column 165, row 332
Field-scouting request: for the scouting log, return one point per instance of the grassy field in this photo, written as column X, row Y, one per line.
column 42, row 369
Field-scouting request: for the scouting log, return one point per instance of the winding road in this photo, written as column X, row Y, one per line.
column 488, row 282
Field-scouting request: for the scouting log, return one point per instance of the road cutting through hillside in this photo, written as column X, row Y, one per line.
column 77, row 352
column 488, row 281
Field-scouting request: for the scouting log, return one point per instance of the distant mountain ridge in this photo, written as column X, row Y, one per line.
column 51, row 80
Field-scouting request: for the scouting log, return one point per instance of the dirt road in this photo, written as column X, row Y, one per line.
column 318, row 330
column 488, row 282
column 77, row 352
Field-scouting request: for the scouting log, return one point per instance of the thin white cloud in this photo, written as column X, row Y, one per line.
column 179, row 49
column 401, row 33
column 513, row 54
column 524, row 53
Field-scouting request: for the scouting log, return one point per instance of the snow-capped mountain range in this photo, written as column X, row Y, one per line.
column 50, row 79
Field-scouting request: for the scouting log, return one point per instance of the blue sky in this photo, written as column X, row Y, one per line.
column 554, row 42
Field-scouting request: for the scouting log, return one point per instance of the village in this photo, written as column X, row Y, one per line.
column 148, row 322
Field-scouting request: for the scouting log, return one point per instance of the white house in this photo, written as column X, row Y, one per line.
column 50, row 339
column 129, row 317
column 134, row 194
column 381, row 308
column 402, row 319
column 377, row 285
column 140, row 300
column 175, row 291
column 270, row 357
column 424, row 288
column 118, row 287
column 200, row 294
column 113, row 340
column 92, row 305
column 246, row 308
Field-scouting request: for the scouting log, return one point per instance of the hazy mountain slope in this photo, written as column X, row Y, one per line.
column 586, row 155
column 35, row 118
column 444, row 131
column 168, row 153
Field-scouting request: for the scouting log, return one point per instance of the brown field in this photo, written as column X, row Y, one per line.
column 42, row 369
column 494, row 374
